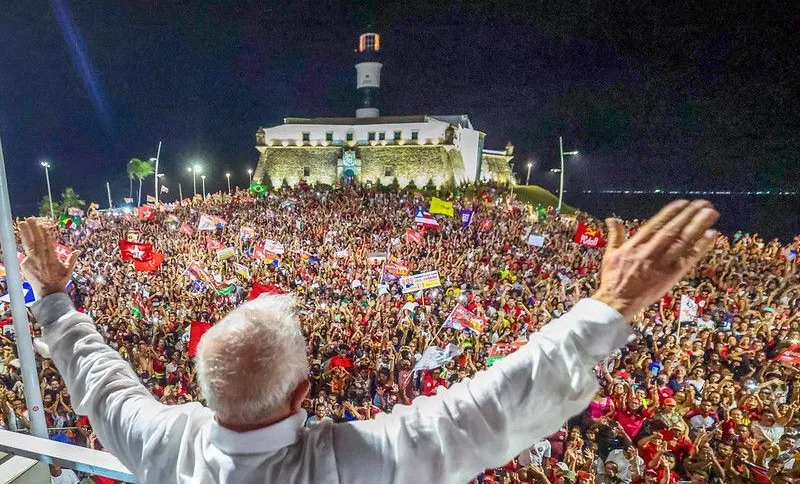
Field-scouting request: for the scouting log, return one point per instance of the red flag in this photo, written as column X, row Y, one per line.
column 186, row 229
column 149, row 265
column 147, row 213
column 196, row 331
column 790, row 354
column 268, row 289
column 62, row 251
column 486, row 225
column 214, row 244
column 135, row 251
column 588, row 236
column 414, row 236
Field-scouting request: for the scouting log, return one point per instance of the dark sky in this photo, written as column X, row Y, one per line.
column 686, row 95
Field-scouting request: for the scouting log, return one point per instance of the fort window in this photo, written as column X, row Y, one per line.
column 329, row 136
column 371, row 136
column 415, row 135
column 398, row 135
column 306, row 171
column 349, row 136
column 306, row 137
column 382, row 136
column 388, row 171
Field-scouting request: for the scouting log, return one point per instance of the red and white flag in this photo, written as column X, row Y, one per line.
column 588, row 236
column 186, row 229
column 150, row 265
column 135, row 251
column 214, row 244
column 147, row 213
column 62, row 251
column 414, row 236
column 196, row 331
column 425, row 219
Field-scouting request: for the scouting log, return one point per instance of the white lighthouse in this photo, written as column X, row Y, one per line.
column 368, row 74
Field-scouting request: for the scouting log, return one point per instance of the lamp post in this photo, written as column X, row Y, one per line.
column 561, row 182
column 194, row 170
column 528, row 177
column 158, row 157
column 203, row 177
column 228, row 176
column 250, row 177
column 46, row 166
column 180, row 192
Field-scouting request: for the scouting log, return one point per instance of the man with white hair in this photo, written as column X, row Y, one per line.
column 252, row 371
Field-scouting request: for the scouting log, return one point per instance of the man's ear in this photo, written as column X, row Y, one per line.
column 299, row 393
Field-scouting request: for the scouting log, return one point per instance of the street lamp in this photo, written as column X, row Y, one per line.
column 228, row 176
column 250, row 176
column 203, row 177
column 528, row 177
column 46, row 166
column 194, row 170
column 561, row 183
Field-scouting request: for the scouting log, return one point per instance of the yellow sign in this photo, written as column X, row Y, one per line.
column 441, row 207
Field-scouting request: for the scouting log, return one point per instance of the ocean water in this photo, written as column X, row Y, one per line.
column 771, row 216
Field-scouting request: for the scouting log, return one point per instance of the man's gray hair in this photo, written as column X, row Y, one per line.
column 249, row 363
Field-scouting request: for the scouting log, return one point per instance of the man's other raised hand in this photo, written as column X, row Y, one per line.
column 638, row 271
column 41, row 267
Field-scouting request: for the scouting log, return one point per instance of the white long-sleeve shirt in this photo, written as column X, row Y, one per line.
column 448, row 438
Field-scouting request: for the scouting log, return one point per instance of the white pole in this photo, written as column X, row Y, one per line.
column 203, row 177
column 180, row 192
column 27, row 360
column 158, row 155
column 561, row 184
column 108, row 189
column 528, row 178
column 250, row 177
column 49, row 193
column 194, row 181
column 228, row 176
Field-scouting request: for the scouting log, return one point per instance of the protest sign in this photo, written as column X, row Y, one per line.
column 418, row 282
column 536, row 240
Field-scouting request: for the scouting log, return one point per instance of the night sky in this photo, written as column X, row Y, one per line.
column 690, row 95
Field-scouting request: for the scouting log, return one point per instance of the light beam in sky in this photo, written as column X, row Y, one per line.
column 86, row 69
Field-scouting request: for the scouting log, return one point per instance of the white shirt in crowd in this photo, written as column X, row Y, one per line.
column 624, row 466
column 535, row 453
column 67, row 476
column 451, row 437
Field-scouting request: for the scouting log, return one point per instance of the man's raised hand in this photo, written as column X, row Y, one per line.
column 638, row 271
column 41, row 267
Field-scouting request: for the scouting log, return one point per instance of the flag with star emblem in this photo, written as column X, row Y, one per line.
column 151, row 265
column 135, row 251
column 213, row 244
column 146, row 213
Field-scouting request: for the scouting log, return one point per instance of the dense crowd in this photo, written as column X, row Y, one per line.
column 701, row 400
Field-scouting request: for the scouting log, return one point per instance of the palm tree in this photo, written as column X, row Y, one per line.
column 70, row 198
column 132, row 164
column 139, row 169
column 44, row 207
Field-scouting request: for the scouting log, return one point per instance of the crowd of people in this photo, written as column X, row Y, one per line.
column 708, row 398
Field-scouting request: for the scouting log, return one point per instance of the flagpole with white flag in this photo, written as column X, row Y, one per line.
column 19, row 312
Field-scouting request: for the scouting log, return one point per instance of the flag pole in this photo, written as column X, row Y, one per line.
column 108, row 190
column 27, row 360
